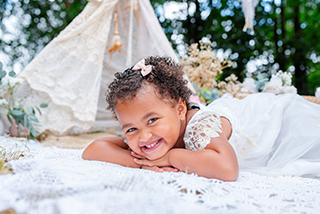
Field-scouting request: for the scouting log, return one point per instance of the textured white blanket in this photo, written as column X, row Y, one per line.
column 53, row 180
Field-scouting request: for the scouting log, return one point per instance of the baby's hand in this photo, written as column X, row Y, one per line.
column 139, row 158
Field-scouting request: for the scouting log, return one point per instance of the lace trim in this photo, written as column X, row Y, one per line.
column 201, row 128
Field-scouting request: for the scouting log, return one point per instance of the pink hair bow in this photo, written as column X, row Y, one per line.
column 145, row 69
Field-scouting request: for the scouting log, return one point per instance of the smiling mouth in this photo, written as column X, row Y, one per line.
column 152, row 146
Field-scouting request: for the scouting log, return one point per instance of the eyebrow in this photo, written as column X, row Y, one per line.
column 144, row 118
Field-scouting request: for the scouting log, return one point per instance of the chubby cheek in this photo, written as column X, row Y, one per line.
column 172, row 134
column 134, row 147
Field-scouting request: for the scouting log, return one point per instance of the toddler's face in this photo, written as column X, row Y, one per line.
column 151, row 126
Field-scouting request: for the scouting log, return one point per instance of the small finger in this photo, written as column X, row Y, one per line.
column 152, row 168
column 170, row 169
column 136, row 155
column 141, row 162
column 157, row 169
column 160, row 170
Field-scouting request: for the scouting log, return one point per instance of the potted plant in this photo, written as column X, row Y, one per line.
column 22, row 119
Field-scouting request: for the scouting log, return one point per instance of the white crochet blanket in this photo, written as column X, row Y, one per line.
column 53, row 180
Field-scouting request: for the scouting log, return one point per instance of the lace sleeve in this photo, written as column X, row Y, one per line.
column 202, row 127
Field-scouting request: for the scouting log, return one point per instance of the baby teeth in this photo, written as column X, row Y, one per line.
column 152, row 145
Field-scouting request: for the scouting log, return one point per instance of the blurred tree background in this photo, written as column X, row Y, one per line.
column 27, row 26
column 286, row 32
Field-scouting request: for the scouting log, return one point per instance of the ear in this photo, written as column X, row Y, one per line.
column 182, row 109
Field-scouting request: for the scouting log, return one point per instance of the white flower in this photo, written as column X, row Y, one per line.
column 287, row 80
column 274, row 85
column 248, row 85
column 9, row 83
column 4, row 86
column 317, row 94
column 3, row 102
column 289, row 89
column 286, row 77
column 17, row 104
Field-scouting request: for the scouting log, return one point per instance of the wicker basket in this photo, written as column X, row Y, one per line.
column 312, row 99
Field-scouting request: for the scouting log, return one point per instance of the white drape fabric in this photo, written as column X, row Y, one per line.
column 273, row 134
column 71, row 73
column 52, row 180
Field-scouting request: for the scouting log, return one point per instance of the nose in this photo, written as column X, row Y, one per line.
column 145, row 135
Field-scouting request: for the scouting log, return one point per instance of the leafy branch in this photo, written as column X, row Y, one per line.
column 22, row 119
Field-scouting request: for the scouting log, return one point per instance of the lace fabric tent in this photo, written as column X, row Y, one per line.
column 71, row 73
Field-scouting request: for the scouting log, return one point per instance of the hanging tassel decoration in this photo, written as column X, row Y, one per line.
column 116, row 42
column 248, row 8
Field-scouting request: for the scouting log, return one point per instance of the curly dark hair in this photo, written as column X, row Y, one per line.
column 166, row 76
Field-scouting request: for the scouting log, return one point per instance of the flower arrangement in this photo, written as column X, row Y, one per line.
column 22, row 119
column 279, row 83
column 203, row 68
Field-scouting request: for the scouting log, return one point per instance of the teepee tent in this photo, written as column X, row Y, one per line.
column 71, row 73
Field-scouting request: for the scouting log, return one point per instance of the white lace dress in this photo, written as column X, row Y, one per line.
column 272, row 135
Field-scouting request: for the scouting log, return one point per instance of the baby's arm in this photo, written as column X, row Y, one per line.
column 110, row 149
column 217, row 160
column 114, row 150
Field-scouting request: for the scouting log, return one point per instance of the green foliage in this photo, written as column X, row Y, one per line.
column 2, row 72
column 260, row 81
column 26, row 117
column 207, row 95
column 286, row 34
column 39, row 22
column 314, row 80
column 17, row 114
